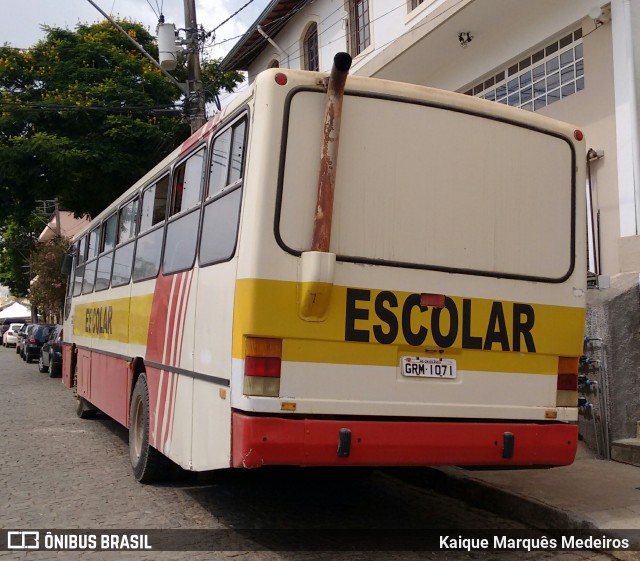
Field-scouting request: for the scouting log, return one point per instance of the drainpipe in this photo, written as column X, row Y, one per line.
column 274, row 44
column 317, row 266
column 626, row 114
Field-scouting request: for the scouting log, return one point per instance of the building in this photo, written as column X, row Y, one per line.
column 575, row 60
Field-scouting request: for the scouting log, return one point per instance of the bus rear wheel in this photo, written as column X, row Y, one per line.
column 148, row 464
column 84, row 409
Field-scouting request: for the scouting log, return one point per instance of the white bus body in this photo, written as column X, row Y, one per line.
column 447, row 331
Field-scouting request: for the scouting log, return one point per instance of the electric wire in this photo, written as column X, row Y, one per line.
column 153, row 9
column 345, row 36
column 231, row 16
column 427, row 21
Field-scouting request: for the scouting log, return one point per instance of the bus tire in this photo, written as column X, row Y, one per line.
column 84, row 409
column 148, row 464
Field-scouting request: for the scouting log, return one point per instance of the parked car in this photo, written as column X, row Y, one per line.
column 34, row 341
column 10, row 337
column 6, row 323
column 51, row 353
column 22, row 333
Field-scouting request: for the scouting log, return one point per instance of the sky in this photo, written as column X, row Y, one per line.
column 20, row 25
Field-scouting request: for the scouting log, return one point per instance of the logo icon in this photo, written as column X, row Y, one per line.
column 27, row 539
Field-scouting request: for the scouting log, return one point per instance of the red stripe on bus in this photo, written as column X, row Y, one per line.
column 159, row 323
column 158, row 319
column 260, row 441
column 171, row 353
column 186, row 291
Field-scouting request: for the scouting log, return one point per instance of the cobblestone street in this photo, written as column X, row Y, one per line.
column 58, row 471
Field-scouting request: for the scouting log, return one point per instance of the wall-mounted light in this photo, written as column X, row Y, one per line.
column 600, row 15
column 465, row 38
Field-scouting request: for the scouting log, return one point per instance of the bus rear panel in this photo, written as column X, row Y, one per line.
column 448, row 326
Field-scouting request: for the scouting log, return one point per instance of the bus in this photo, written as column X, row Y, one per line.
column 440, row 322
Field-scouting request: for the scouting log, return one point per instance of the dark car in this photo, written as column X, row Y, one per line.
column 34, row 340
column 22, row 334
column 51, row 353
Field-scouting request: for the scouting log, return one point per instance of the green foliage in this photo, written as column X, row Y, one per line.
column 83, row 115
column 17, row 240
column 75, row 119
column 48, row 288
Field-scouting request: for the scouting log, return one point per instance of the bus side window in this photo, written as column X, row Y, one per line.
column 182, row 232
column 219, row 162
column 89, row 277
column 108, row 241
column 149, row 245
column 187, row 183
column 92, row 250
column 222, row 211
column 123, row 257
column 90, row 265
column 79, row 269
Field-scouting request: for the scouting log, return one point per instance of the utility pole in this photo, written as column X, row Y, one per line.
column 194, row 80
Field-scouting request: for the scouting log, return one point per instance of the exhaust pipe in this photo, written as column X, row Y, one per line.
column 317, row 266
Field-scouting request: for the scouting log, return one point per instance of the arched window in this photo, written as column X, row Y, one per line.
column 274, row 64
column 310, row 47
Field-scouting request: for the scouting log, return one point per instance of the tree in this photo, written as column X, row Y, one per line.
column 83, row 115
column 17, row 240
column 48, row 287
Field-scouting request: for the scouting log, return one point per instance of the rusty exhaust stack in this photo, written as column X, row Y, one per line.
column 316, row 268
column 329, row 153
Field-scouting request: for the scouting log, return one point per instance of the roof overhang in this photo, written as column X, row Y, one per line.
column 274, row 17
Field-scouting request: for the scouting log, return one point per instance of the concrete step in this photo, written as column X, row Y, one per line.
column 626, row 451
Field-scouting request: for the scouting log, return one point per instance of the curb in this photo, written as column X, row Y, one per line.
column 460, row 484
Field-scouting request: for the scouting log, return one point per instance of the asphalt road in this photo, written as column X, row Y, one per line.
column 58, row 471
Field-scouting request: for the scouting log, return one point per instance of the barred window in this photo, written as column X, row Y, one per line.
column 549, row 74
column 310, row 44
column 413, row 4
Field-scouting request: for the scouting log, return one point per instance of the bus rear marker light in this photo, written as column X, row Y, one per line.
column 432, row 300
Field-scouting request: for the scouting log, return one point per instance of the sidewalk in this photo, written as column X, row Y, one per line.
column 590, row 494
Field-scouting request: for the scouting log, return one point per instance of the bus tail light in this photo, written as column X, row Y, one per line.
column 262, row 365
column 567, row 384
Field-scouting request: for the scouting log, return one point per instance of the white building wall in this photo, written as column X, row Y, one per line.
column 328, row 15
column 422, row 47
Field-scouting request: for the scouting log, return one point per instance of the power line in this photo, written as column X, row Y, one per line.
column 231, row 16
column 344, row 36
column 7, row 107
column 153, row 9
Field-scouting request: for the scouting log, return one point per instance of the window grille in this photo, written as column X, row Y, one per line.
column 310, row 43
column 549, row 74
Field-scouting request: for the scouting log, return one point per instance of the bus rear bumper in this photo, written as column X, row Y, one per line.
column 259, row 441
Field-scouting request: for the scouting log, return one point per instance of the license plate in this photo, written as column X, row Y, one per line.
column 426, row 367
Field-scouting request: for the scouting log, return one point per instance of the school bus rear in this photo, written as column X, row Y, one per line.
column 445, row 324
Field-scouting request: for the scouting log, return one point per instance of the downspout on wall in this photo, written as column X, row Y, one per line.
column 626, row 100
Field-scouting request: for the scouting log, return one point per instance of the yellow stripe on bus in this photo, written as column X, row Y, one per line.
column 373, row 327
column 125, row 320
